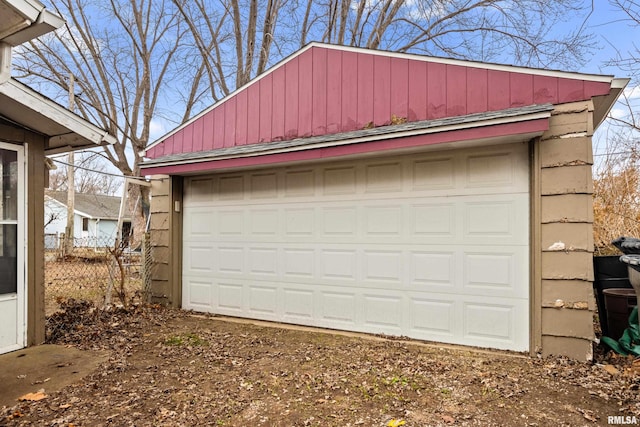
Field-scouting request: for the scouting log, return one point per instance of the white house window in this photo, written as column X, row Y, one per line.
column 85, row 224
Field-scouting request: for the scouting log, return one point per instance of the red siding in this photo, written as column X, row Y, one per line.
column 334, row 91
column 330, row 90
column 305, row 92
column 291, row 99
column 399, row 87
column 417, row 98
column 349, row 92
column 382, row 90
column 365, row 90
column 437, row 91
column 278, row 106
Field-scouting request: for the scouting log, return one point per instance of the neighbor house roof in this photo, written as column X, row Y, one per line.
column 324, row 90
column 90, row 205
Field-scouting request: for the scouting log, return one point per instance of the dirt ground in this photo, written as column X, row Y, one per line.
column 169, row 368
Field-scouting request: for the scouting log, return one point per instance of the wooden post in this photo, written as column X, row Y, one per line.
column 71, row 196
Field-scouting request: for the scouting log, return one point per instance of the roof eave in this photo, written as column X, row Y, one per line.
column 542, row 112
column 81, row 133
column 602, row 105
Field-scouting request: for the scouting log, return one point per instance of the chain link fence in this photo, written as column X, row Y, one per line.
column 94, row 273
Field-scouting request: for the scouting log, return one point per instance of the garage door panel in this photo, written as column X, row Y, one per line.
column 298, row 304
column 198, row 294
column 383, row 313
column 499, row 271
column 433, row 246
column 495, row 322
column 433, row 316
column 263, row 299
column 337, row 309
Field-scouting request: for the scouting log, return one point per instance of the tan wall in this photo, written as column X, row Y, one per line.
column 562, row 295
column 166, row 240
column 35, row 227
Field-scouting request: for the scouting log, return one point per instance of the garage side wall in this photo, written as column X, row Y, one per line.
column 563, row 290
column 165, row 230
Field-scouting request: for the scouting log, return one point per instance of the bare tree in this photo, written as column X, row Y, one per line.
column 91, row 176
column 259, row 33
column 629, row 63
column 127, row 57
column 138, row 62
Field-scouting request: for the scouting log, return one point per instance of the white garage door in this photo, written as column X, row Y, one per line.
column 431, row 246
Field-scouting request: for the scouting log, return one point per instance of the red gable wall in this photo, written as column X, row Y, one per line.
column 328, row 90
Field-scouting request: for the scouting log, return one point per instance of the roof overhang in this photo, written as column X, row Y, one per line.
column 511, row 125
column 603, row 104
column 65, row 131
column 24, row 20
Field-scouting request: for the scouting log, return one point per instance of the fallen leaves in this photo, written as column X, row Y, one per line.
column 168, row 368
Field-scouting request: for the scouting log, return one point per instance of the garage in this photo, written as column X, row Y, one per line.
column 431, row 246
column 386, row 193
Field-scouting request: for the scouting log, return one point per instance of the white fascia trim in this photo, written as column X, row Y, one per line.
column 53, row 111
column 416, row 57
column 38, row 21
column 369, row 138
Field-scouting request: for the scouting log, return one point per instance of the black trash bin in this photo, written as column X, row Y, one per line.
column 619, row 304
column 609, row 273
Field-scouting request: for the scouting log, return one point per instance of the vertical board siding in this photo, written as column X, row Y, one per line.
column 456, row 93
column 319, row 93
column 349, row 92
column 230, row 122
column 278, row 106
column 437, row 91
column 291, row 99
column 242, row 116
column 324, row 90
column 545, row 89
column 571, row 90
column 381, row 90
column 207, row 131
column 334, row 92
column 477, row 83
column 498, row 90
column 305, row 92
column 197, row 134
column 218, row 128
column 521, row 89
column 365, row 90
column 266, row 92
column 418, row 92
column 399, row 87
column 253, row 113
column 187, row 140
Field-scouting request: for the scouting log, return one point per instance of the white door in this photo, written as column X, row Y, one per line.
column 12, row 283
column 433, row 246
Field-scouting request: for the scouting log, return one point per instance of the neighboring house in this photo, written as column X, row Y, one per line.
column 31, row 126
column 95, row 221
column 388, row 193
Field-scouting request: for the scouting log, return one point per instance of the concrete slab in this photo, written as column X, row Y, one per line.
column 49, row 367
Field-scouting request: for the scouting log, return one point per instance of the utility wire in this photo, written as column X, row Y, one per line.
column 102, row 172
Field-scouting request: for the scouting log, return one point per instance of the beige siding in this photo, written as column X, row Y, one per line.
column 166, row 240
column 565, row 273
